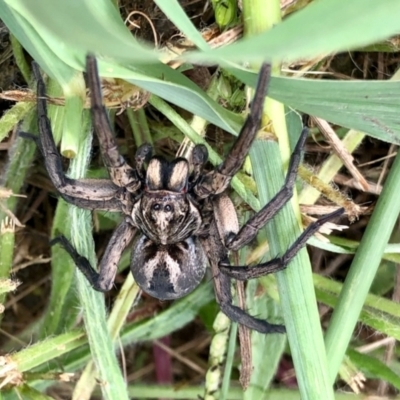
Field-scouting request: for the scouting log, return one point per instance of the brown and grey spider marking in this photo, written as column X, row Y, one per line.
column 176, row 216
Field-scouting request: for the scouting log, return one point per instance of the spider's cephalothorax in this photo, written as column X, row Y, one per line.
column 175, row 216
column 168, row 262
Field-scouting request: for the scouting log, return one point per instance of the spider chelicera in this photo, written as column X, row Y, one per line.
column 175, row 216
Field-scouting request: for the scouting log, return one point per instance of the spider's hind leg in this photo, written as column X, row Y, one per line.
column 244, row 273
column 224, row 299
column 216, row 252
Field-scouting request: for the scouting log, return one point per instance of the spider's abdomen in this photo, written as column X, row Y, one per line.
column 168, row 272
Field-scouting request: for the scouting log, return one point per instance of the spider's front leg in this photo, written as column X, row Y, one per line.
column 121, row 173
column 86, row 193
column 218, row 180
column 103, row 280
column 216, row 252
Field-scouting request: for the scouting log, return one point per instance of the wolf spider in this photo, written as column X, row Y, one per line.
column 179, row 216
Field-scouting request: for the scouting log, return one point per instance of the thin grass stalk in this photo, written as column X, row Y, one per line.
column 217, row 355
column 192, row 392
column 11, row 117
column 21, row 155
column 331, row 167
column 102, row 349
column 122, row 306
column 140, row 128
column 75, row 93
column 7, row 240
column 295, row 283
column 230, row 357
column 363, row 270
column 20, row 60
column 62, row 295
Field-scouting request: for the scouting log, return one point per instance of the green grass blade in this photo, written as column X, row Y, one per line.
column 7, row 241
column 371, row 315
column 295, row 283
column 193, row 392
column 113, row 385
column 267, row 350
column 363, row 270
column 47, row 350
column 175, row 317
column 109, row 34
column 20, row 160
column 181, row 313
column 173, row 10
column 62, row 295
column 26, row 392
column 230, row 358
column 299, row 35
column 12, row 116
column 370, row 107
column 373, row 367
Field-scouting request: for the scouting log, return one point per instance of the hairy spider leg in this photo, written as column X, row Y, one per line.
column 243, row 273
column 223, row 227
column 250, row 229
column 237, row 154
column 121, row 173
column 207, row 190
column 102, row 281
column 85, row 193
column 218, row 180
column 215, row 251
column 199, row 158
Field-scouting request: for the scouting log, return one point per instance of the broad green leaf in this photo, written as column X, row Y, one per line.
column 368, row 106
column 374, row 367
column 323, row 27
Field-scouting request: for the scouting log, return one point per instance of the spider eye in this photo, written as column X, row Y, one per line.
column 168, row 208
column 156, row 207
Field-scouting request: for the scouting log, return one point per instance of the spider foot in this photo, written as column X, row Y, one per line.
column 81, row 262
